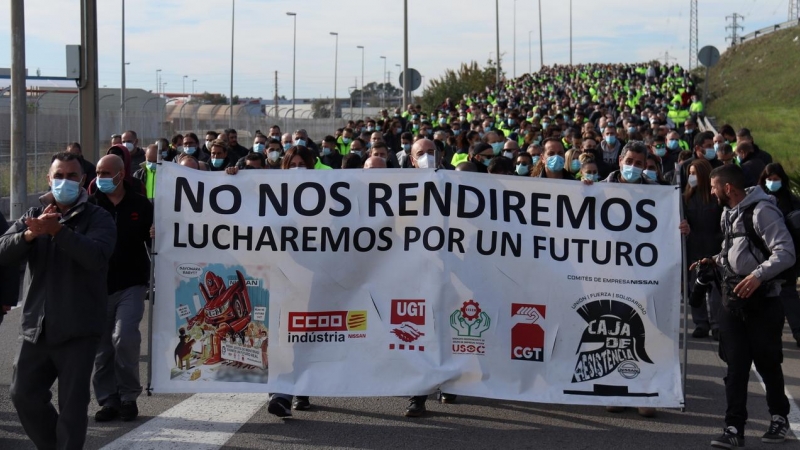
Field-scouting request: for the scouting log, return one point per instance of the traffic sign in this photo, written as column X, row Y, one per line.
column 708, row 56
column 416, row 79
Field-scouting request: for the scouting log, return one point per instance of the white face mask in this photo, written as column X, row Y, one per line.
column 208, row 145
column 426, row 161
column 509, row 155
column 129, row 146
column 273, row 155
column 692, row 180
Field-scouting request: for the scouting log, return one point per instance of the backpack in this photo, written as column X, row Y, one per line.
column 792, row 221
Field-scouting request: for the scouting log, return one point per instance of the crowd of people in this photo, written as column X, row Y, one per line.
column 623, row 123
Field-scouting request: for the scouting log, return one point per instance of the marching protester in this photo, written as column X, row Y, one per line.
column 87, row 166
column 751, row 320
column 116, row 377
column 65, row 245
column 146, row 173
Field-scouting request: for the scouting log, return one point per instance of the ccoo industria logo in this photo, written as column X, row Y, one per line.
column 614, row 338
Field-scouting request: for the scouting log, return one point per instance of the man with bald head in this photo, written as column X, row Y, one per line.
column 147, row 171
column 116, row 378
column 375, row 162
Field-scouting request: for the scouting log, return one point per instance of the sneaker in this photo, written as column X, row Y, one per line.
column 106, row 414
column 715, row 334
column 301, row 403
column 128, row 411
column 447, row 398
column 700, row 332
column 777, row 431
column 416, row 407
column 730, row 438
column 280, row 407
column 615, row 409
column 647, row 412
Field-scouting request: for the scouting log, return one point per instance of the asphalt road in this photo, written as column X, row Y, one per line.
column 470, row 423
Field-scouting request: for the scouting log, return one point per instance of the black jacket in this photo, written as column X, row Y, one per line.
column 65, row 276
column 9, row 276
column 332, row 160
column 137, row 157
column 705, row 240
column 129, row 264
column 237, row 151
column 752, row 167
column 89, row 171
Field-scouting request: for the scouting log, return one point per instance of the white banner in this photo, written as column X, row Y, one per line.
column 399, row 282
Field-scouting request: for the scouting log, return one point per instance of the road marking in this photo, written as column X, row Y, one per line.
column 201, row 422
column 794, row 411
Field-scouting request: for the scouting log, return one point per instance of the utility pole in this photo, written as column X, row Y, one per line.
column 794, row 10
column 541, row 45
column 122, row 85
column 515, row 38
column 693, row 47
column 89, row 133
column 233, row 16
column 734, row 27
column 19, row 155
column 497, row 40
column 570, row 32
column 406, row 78
column 276, row 95
column 668, row 58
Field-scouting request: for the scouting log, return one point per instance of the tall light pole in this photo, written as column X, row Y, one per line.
column 515, row 38
column 570, row 32
column 497, row 41
column 530, row 65
column 383, row 100
column 183, row 90
column 122, row 81
column 193, row 82
column 362, row 80
column 230, row 101
column 400, row 71
column 335, row 74
column 406, row 81
column 158, row 81
column 541, row 46
column 294, row 59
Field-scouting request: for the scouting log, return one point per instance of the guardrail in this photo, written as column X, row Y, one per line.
column 771, row 29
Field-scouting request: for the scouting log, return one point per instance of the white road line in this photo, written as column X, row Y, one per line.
column 201, row 422
column 794, row 411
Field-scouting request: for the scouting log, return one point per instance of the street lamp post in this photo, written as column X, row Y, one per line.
column 362, row 80
column 183, row 90
column 515, row 38
column 530, row 65
column 335, row 75
column 294, row 59
column 400, row 71
column 541, row 46
column 497, row 41
column 230, row 101
column 383, row 99
column 122, row 81
column 570, row 32
column 193, row 82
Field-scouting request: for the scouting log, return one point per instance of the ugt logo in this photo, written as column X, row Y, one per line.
column 408, row 316
column 470, row 320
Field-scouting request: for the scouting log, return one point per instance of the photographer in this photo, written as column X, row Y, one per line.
column 751, row 320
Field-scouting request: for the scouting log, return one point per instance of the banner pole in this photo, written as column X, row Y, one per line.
column 151, row 298
column 685, row 304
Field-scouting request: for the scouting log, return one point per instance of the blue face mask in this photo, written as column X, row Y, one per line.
column 65, row 191
column 259, row 148
column 652, row 174
column 189, row 150
column 486, row 162
column 487, row 129
column 456, row 132
column 575, row 165
column 631, row 174
column 217, row 162
column 591, row 176
column 522, row 169
column 661, row 151
column 287, row 146
column 398, row 130
column 326, row 151
column 555, row 163
column 164, row 154
column 378, row 128
column 716, row 146
column 106, row 185
column 301, row 142
column 611, row 140
column 710, row 153
column 511, row 122
column 545, row 125
column 632, row 130
column 407, row 147
column 151, row 165
column 536, row 159
column 773, row 186
column 497, row 147
column 357, row 152
column 673, row 144
column 346, row 140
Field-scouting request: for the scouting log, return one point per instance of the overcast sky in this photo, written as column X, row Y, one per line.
column 193, row 37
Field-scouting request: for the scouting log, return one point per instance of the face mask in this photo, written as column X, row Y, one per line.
column 456, row 132
column 511, row 122
column 545, row 125
column 652, row 174
column 536, row 159
column 326, row 151
column 689, row 131
column 575, row 165
column 442, row 121
column 591, row 176
column 189, row 150
column 522, row 169
column 773, row 186
column 398, row 130
column 287, row 146
column 497, row 147
column 65, row 191
column 487, row 129
column 673, row 144
column 555, row 163
column 151, row 165
column 631, row 130
column 509, row 155
column 274, row 155
column 407, row 147
column 378, row 128
column 661, row 151
column 425, row 162
column 106, row 185
column 164, row 154
column 357, row 152
column 370, row 129
column 631, row 174
column 217, row 162
column 129, row 146
column 692, row 180
column 710, row 153
column 369, row 145
column 301, row 142
column 208, row 145
column 611, row 140
column 716, row 146
column 259, row 148
column 295, row 168
column 415, row 126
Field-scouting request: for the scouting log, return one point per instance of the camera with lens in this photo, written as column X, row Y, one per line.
column 705, row 278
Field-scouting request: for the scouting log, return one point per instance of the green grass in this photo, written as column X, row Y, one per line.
column 756, row 85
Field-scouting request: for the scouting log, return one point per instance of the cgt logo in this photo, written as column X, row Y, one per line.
column 527, row 334
column 407, row 317
column 327, row 321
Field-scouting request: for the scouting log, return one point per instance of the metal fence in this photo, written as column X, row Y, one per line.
column 768, row 30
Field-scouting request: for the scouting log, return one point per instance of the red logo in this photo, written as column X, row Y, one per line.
column 310, row 322
column 407, row 316
column 134, row 216
column 527, row 335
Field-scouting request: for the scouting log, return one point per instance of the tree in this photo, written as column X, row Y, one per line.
column 321, row 108
column 454, row 84
column 216, row 99
column 373, row 92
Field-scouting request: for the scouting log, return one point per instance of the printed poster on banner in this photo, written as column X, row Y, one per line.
column 221, row 324
column 468, row 324
column 407, row 325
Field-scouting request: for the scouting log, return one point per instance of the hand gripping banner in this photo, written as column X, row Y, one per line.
column 399, row 282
